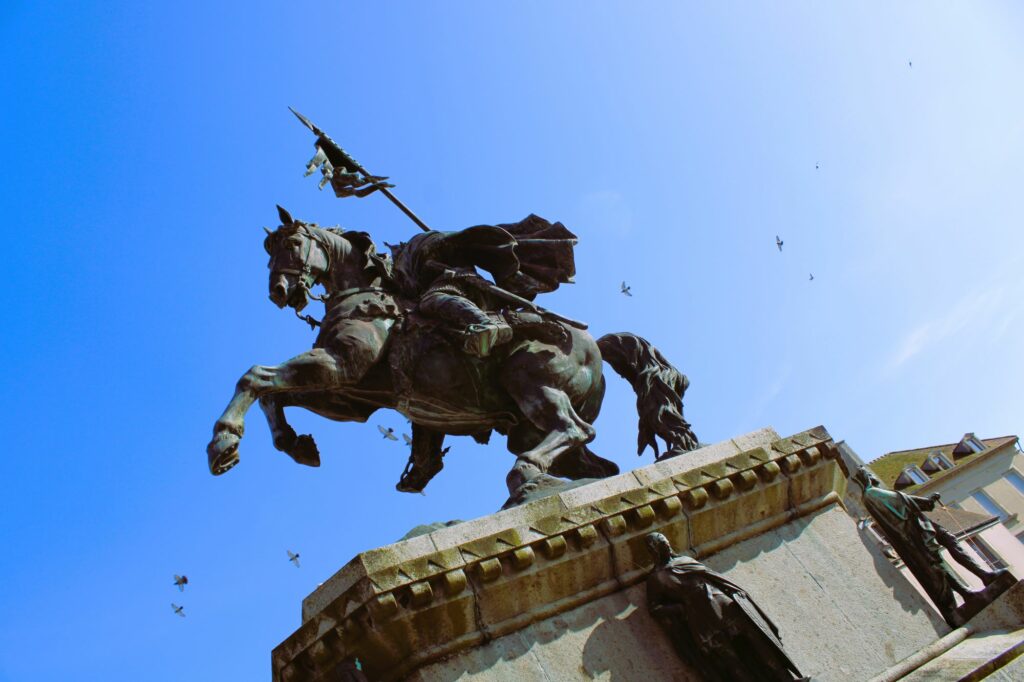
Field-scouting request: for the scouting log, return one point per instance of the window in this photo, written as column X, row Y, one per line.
column 940, row 461
column 1020, row 537
column 986, row 553
column 1016, row 479
column 988, row 504
column 916, row 475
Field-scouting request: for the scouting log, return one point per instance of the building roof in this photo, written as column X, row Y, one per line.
column 960, row 522
column 890, row 466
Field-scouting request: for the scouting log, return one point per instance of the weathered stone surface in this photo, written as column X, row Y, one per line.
column 831, row 593
column 1012, row 672
column 596, row 641
column 973, row 659
column 549, row 589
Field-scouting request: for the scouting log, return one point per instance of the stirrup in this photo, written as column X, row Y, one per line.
column 481, row 339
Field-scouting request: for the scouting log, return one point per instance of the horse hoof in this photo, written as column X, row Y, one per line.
column 285, row 438
column 404, row 486
column 305, row 451
column 222, row 452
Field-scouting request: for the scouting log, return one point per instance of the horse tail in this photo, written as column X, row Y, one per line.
column 659, row 389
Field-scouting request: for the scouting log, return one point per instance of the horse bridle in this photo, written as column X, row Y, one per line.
column 304, row 277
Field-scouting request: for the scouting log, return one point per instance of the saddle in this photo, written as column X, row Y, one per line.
column 427, row 452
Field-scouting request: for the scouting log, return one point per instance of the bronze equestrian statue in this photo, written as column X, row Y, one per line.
column 424, row 333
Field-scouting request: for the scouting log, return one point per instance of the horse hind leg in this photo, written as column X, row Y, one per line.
column 583, row 463
column 551, row 412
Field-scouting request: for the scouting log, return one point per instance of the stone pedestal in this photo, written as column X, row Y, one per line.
column 552, row 590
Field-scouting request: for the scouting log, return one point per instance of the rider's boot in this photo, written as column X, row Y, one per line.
column 482, row 334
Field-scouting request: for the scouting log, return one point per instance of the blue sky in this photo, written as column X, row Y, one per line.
column 145, row 145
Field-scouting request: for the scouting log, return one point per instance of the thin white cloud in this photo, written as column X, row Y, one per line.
column 988, row 310
column 772, row 391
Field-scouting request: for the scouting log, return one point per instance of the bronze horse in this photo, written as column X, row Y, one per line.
column 542, row 390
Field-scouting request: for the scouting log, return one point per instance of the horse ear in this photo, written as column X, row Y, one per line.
column 268, row 231
column 286, row 217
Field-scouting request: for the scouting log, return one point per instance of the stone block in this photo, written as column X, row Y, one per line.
column 509, row 658
column 834, row 597
column 604, row 489
column 762, row 438
column 688, row 461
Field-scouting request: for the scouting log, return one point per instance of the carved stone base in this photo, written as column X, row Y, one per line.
column 552, row 589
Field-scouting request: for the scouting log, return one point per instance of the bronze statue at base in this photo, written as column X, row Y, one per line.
column 713, row 623
column 919, row 542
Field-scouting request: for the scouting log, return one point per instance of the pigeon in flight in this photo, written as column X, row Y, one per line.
column 817, row 166
column 388, row 433
column 626, row 289
column 778, row 242
column 180, row 610
column 910, row 64
column 181, row 581
column 293, row 557
column 407, row 439
column 812, row 277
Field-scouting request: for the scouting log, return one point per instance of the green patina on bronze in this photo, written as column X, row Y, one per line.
column 919, row 543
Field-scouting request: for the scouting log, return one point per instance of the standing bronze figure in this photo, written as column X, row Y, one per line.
column 713, row 623
column 919, row 542
column 453, row 352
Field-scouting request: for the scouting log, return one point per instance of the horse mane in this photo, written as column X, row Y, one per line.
column 377, row 264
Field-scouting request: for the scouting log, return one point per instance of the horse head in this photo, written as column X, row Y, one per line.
column 299, row 260
column 303, row 255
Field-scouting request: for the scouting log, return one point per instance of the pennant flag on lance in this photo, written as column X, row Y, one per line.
column 345, row 175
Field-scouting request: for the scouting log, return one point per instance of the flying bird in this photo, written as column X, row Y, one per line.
column 408, row 441
column 181, row 581
column 778, row 242
column 910, row 64
column 817, row 166
column 180, row 610
column 293, row 557
column 388, row 433
column 812, row 277
column 626, row 289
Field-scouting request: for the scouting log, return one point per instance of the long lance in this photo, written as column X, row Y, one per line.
column 330, row 155
column 332, row 151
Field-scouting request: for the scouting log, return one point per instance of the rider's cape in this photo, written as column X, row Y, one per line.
column 526, row 258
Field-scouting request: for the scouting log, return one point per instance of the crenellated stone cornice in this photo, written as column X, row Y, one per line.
column 406, row 604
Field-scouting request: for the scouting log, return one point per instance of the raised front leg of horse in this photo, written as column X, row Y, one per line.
column 313, row 370
column 333, row 405
column 346, row 351
column 302, row 448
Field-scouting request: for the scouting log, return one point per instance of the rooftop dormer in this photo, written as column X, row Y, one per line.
column 968, row 445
